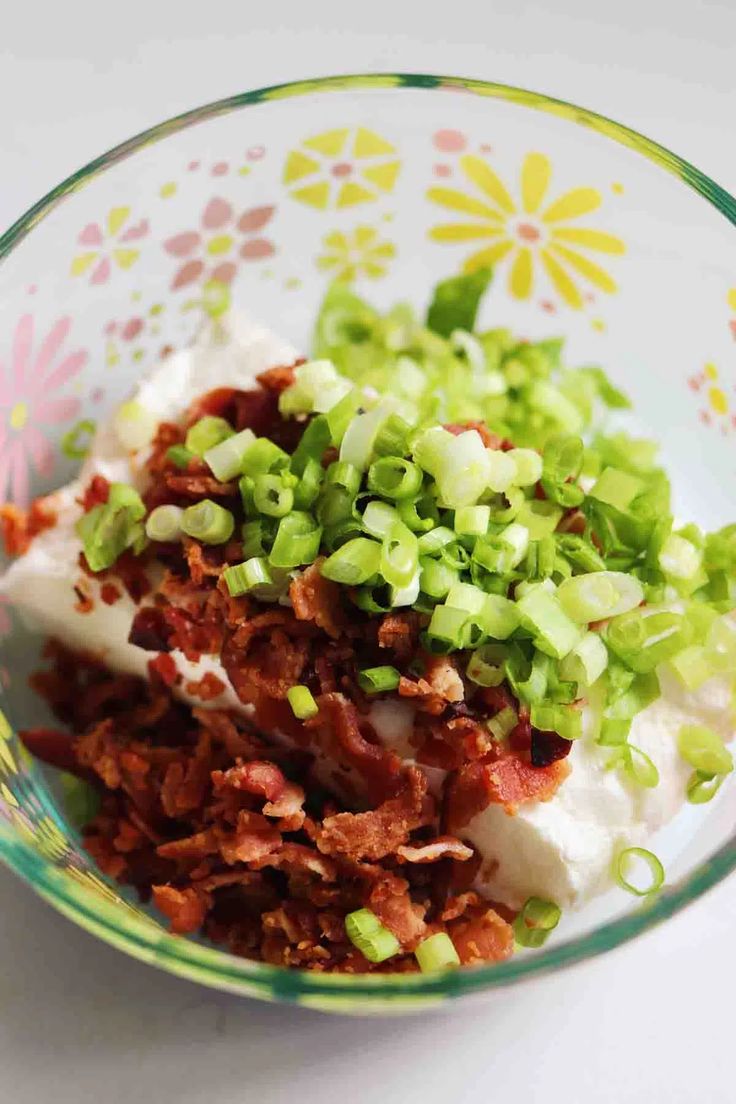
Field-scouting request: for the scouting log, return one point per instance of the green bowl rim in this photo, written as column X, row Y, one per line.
column 140, row 937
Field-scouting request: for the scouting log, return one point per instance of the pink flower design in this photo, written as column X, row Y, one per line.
column 216, row 249
column 29, row 386
column 103, row 248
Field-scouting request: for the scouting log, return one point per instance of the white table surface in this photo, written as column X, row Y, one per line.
column 79, row 1022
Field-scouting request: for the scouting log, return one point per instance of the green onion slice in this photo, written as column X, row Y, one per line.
column 206, row 433
column 622, row 868
column 209, row 522
column 378, row 680
column 704, row 750
column 302, row 702
column 437, row 952
column 366, row 932
column 536, row 920
column 165, row 524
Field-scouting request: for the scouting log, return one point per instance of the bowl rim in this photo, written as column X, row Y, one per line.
column 136, row 934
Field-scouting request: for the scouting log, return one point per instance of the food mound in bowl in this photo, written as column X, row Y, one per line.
column 376, row 661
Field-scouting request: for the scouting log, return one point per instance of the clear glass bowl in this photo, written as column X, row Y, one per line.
column 394, row 182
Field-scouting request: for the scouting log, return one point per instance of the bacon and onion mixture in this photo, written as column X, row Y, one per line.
column 412, row 518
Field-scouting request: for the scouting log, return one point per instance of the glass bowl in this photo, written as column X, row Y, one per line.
column 393, row 182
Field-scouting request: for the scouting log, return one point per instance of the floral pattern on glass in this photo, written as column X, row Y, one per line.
column 716, row 409
column 108, row 245
column 358, row 252
column 33, row 377
column 215, row 250
column 529, row 233
column 341, row 168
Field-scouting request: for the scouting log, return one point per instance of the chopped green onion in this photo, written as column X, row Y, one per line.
column 377, row 680
column 704, row 750
column 366, row 932
column 317, row 386
column 358, row 443
column 179, row 456
column 419, row 522
column 600, row 595
column 395, row 478
column 446, row 630
column 581, row 554
column 379, row 518
column 644, row 640
column 503, row 723
column 432, row 543
column 245, row 577
column 500, row 616
column 122, row 495
column 472, row 521
column 209, row 522
column 465, row 596
column 342, row 474
column 262, row 456
column 486, row 665
column 406, row 595
column 540, row 517
column 393, row 437
column 554, row 632
column 623, row 862
column 81, row 801
column 206, row 433
column 108, row 529
column 354, row 562
column 528, row 466
column 640, row 768
column 335, row 505
column 565, row 720
column 296, row 542
column 614, row 731
column 302, row 702
column 693, row 666
column 702, row 788
column 336, row 535
column 437, row 952
column 315, row 440
column 616, row 488
column 255, row 537
column 679, row 558
column 307, row 489
column 586, row 662
column 436, row 577
column 225, row 459
column 563, row 459
column 75, row 443
column 399, row 555
column 164, row 524
column 134, row 425
column 340, row 415
column 535, row 921
column 272, row 496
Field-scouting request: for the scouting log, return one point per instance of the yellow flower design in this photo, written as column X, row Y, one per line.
column 341, row 168
column 109, row 244
column 731, row 299
column 529, row 232
column 716, row 409
column 360, row 252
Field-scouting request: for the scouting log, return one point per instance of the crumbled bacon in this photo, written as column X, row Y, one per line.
column 378, row 833
column 184, row 908
column 400, row 633
column 199, row 486
column 150, row 631
column 279, row 378
column 444, row 847
column 508, row 781
column 163, row 667
column 95, row 493
column 19, row 527
column 255, row 777
column 548, row 747
column 110, row 594
column 483, row 937
column 207, row 688
column 317, row 599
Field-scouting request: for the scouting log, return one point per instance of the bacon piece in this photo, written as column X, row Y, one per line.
column 84, row 602
column 317, row 599
column 457, row 906
column 199, row 486
column 193, row 638
column 253, row 838
column 110, row 594
column 288, row 808
column 256, row 777
column 378, row 833
column 207, row 688
column 150, row 630
column 443, row 847
column 490, row 440
column 400, row 633
column 469, row 739
column 280, row 377
column 185, row 909
column 508, row 781
column 95, row 493
column 548, row 747
column 484, row 937
column 190, row 848
column 299, row 857
column 389, row 899
column 339, row 730
column 19, row 527
column 162, row 667
column 442, row 675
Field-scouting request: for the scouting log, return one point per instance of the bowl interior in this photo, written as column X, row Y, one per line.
column 391, row 184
